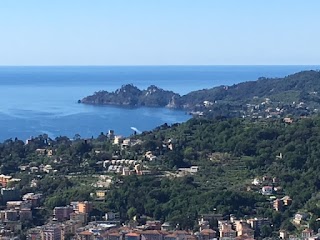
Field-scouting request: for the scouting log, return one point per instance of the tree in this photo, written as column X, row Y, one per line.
column 189, row 153
column 77, row 136
column 287, row 225
column 266, row 231
column 131, row 212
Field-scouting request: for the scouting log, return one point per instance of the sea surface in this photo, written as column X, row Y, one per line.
column 37, row 100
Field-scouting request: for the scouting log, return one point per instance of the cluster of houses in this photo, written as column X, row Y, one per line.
column 128, row 142
column 280, row 204
column 45, row 152
column 306, row 234
column 6, row 180
column 267, row 185
column 127, row 171
column 268, row 109
column 17, row 211
column 37, row 169
column 103, row 181
column 125, row 167
column 65, row 222
column 120, row 166
column 123, row 142
column 71, row 221
column 241, row 229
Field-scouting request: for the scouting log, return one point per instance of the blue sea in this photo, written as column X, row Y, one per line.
column 37, row 100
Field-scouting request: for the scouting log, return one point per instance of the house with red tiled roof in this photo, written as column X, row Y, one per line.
column 153, row 225
column 114, row 236
column 179, row 235
column 190, row 237
column 170, row 237
column 307, row 233
column 132, row 236
column 151, row 235
column 244, row 237
column 227, row 233
column 85, row 235
column 207, row 234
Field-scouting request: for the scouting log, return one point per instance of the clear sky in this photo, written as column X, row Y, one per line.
column 159, row 32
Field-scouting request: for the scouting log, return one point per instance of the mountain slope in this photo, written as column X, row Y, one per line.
column 305, row 82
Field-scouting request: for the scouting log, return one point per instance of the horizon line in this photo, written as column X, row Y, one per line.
column 158, row 65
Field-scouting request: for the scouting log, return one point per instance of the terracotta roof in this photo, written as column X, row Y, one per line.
column 205, row 234
column 244, row 238
column 114, row 230
column 114, row 234
column 151, row 232
column 190, row 237
column 170, row 236
column 132, row 234
column 208, row 231
column 180, row 232
column 87, row 233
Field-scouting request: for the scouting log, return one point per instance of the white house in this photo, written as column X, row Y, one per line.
column 267, row 190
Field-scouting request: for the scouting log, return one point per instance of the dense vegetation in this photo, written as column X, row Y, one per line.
column 229, row 153
column 299, row 87
column 249, row 150
column 179, row 201
column 129, row 95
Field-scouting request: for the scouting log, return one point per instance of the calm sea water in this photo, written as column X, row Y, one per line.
column 36, row 100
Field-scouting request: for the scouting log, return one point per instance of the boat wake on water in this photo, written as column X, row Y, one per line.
column 136, row 130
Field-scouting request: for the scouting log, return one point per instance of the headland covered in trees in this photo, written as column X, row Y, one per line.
column 295, row 94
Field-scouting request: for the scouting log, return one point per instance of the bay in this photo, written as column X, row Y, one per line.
column 37, row 100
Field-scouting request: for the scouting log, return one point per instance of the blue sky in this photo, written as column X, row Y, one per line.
column 159, row 32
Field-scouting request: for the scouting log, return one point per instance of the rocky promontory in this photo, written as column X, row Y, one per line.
column 131, row 96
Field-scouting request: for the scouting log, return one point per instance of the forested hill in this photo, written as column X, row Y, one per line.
column 298, row 84
column 230, row 153
column 129, row 95
column 295, row 94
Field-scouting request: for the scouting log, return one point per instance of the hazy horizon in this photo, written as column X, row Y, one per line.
column 172, row 65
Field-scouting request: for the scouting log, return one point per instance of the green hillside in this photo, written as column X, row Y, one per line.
column 298, row 85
